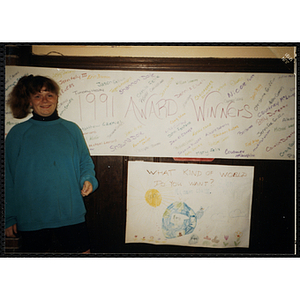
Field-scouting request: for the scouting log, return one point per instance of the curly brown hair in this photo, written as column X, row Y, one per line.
column 19, row 98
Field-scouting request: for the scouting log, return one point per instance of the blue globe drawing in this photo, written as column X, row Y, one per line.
column 178, row 220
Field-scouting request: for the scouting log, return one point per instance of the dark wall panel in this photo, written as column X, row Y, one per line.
column 272, row 217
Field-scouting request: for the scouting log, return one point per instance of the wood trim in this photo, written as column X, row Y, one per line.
column 255, row 65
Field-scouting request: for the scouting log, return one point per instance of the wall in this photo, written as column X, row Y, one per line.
column 166, row 51
column 273, row 206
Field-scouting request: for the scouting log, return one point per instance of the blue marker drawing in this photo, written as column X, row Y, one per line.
column 200, row 213
column 178, row 220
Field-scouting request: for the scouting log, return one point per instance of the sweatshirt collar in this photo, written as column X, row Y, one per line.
column 53, row 117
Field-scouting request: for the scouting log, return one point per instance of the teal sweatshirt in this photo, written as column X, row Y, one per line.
column 46, row 164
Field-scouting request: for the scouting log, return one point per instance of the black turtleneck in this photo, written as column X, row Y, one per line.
column 53, row 117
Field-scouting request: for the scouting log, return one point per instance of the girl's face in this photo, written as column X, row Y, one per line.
column 44, row 103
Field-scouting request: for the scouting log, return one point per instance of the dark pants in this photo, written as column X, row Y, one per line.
column 67, row 239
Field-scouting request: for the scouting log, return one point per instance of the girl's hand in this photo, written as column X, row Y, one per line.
column 87, row 189
column 11, row 231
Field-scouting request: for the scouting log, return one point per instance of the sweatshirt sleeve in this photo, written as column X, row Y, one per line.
column 87, row 168
column 12, row 147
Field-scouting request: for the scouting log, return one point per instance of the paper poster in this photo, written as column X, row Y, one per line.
column 175, row 114
column 194, row 205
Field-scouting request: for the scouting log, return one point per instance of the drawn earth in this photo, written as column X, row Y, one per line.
column 178, row 220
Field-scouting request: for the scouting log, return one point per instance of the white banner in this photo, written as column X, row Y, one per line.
column 189, row 204
column 175, row 114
